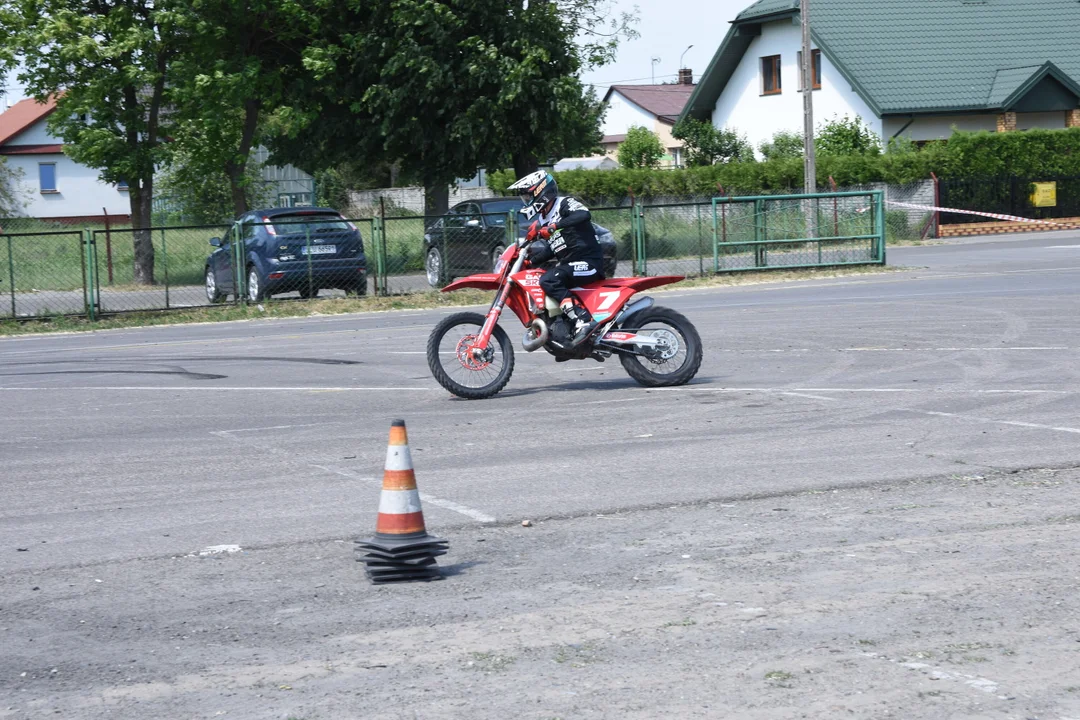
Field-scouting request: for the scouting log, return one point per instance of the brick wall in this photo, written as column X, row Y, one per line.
column 1006, row 122
column 1072, row 118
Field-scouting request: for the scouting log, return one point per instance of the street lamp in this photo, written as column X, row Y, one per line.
column 682, row 56
column 655, row 62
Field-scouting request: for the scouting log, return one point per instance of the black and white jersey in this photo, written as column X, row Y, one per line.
column 574, row 239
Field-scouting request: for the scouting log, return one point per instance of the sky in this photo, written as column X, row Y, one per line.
column 667, row 27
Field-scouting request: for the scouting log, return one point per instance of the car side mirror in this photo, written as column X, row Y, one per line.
column 216, row 242
column 472, row 223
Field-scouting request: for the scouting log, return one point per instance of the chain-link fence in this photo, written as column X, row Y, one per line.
column 317, row 254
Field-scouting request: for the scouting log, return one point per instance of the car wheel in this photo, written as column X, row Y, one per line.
column 433, row 266
column 307, row 294
column 358, row 290
column 495, row 255
column 256, row 292
column 214, row 295
column 610, row 268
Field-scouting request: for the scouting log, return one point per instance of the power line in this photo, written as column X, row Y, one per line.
column 616, row 82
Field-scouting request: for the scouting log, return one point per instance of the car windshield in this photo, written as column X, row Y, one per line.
column 301, row 224
column 496, row 211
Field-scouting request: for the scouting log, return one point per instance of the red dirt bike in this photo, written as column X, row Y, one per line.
column 473, row 358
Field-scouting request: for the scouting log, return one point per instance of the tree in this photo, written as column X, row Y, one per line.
column 784, row 144
column 194, row 194
column 236, row 59
column 105, row 62
column 641, row 148
column 846, row 136
column 440, row 87
column 708, row 145
column 11, row 200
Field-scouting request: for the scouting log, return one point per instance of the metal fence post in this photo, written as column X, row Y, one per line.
column 715, row 239
column 90, row 284
column 165, row 263
column 511, row 228
column 700, row 238
column 378, row 240
column 11, row 273
column 879, row 204
column 239, row 277
column 760, row 232
column 307, row 251
column 643, row 258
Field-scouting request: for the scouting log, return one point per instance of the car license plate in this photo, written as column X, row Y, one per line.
column 318, row 250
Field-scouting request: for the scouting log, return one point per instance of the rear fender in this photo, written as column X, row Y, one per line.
column 626, row 317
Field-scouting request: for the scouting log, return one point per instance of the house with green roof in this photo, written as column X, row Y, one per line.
column 918, row 68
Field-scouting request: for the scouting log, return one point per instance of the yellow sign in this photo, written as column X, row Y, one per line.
column 1045, row 194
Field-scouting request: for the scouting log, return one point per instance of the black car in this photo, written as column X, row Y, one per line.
column 285, row 249
column 471, row 237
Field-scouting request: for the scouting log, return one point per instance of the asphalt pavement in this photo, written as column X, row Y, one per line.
column 126, row 453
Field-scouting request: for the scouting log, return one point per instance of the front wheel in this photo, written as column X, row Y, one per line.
column 433, row 267
column 469, row 375
column 213, row 295
column 255, row 291
column 677, row 356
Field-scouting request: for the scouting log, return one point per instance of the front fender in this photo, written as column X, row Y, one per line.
column 483, row 281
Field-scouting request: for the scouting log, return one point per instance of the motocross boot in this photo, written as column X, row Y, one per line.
column 583, row 322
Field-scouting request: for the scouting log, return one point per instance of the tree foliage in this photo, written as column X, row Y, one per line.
column 708, row 145
column 641, row 149
column 11, row 198
column 106, row 63
column 440, row 87
column 237, row 59
column 846, row 136
column 784, row 144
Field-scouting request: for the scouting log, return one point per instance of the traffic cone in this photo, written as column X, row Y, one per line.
column 401, row 549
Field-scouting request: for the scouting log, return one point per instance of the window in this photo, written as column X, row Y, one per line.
column 47, row 177
column 815, row 58
column 122, row 185
column 770, row 75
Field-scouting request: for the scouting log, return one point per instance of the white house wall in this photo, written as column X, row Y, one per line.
column 743, row 108
column 79, row 192
column 36, row 134
column 939, row 127
column 622, row 114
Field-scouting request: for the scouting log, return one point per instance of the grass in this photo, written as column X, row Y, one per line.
column 339, row 306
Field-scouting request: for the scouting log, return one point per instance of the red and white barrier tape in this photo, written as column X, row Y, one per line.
column 996, row 216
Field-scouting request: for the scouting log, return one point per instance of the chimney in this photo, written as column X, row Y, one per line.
column 686, row 76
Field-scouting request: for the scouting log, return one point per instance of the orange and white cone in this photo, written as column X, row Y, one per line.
column 401, row 548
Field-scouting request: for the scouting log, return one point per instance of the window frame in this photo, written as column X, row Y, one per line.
column 54, row 190
column 815, row 58
column 775, row 74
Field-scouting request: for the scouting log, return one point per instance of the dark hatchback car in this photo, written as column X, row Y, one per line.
column 286, row 249
column 471, row 237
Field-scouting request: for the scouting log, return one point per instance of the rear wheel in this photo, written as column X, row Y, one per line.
column 255, row 290
column 676, row 358
column 214, row 295
column 308, row 293
column 465, row 373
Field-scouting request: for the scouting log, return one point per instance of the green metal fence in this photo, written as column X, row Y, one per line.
column 93, row 271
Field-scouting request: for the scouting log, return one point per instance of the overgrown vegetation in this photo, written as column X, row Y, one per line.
column 641, row 149
column 1035, row 153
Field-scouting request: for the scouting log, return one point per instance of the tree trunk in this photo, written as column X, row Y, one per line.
column 237, row 169
column 436, row 199
column 524, row 163
column 141, row 194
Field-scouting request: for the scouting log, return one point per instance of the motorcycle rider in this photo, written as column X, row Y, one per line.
column 565, row 226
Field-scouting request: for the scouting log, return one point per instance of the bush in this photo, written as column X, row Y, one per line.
column 641, row 149
column 965, row 155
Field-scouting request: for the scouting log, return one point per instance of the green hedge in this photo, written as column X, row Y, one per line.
column 1034, row 153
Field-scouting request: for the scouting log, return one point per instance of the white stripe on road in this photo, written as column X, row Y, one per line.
column 424, row 497
column 1037, row 426
column 812, row 397
column 212, row 388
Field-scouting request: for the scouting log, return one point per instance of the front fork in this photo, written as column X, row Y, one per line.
column 480, row 346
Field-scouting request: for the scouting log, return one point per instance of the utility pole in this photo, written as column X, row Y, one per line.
column 809, row 164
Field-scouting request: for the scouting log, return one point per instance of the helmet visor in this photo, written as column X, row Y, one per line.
column 526, row 198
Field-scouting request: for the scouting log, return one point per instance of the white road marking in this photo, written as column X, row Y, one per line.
column 899, row 349
column 211, row 388
column 1037, row 426
column 1062, row 247
column 424, row 497
column 274, row 427
column 812, row 397
column 973, row 681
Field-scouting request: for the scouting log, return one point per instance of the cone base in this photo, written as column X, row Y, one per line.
column 401, row 559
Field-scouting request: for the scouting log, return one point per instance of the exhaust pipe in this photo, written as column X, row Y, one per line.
column 536, row 334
